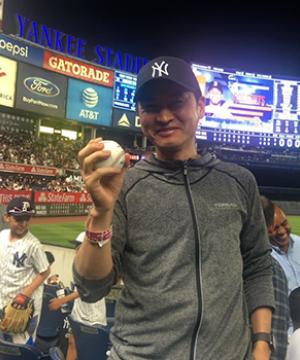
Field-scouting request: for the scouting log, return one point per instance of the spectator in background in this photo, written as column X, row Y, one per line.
column 286, row 248
column 216, row 104
column 50, row 257
column 3, row 224
column 23, row 264
column 280, row 316
column 86, row 313
column 293, row 352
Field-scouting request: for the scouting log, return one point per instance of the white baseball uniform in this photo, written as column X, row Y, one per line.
column 89, row 313
column 20, row 261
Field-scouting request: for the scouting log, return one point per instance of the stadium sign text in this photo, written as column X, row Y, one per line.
column 41, row 86
column 78, row 69
column 17, row 50
column 57, row 40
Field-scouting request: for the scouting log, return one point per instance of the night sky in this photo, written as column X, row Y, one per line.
column 247, row 36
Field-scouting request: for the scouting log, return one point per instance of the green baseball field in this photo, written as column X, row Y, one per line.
column 58, row 231
column 63, row 232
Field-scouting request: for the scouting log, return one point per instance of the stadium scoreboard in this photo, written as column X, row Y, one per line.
column 252, row 109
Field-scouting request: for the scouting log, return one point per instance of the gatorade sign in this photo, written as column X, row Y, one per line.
column 19, row 50
column 78, row 69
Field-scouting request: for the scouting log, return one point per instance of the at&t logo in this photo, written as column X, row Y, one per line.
column 90, row 99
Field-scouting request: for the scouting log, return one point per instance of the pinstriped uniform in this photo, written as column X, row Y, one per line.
column 20, row 261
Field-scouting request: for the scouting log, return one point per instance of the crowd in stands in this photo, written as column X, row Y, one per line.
column 70, row 183
column 46, row 150
column 248, row 156
column 61, row 152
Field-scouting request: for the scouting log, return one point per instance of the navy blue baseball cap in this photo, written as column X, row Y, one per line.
column 166, row 68
column 215, row 84
column 20, row 206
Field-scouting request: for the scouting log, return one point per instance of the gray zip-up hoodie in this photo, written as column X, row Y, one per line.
column 190, row 242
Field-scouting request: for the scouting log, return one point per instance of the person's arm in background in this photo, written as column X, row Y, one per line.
column 56, row 303
column 261, row 320
column 257, row 272
column 37, row 281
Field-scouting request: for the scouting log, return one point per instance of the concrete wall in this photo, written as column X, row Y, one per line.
column 63, row 262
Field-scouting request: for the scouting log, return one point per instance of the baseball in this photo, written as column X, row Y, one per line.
column 117, row 156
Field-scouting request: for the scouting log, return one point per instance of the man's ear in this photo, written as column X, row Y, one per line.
column 201, row 107
column 6, row 217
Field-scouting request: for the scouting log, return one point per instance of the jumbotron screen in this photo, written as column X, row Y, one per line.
column 249, row 109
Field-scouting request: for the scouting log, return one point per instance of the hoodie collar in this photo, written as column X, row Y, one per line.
column 152, row 164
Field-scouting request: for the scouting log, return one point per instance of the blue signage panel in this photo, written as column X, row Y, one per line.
column 41, row 91
column 124, row 91
column 127, row 120
column 19, row 50
column 89, row 103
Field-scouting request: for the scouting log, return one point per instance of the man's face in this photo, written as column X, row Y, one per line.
column 280, row 231
column 169, row 118
column 18, row 225
column 215, row 96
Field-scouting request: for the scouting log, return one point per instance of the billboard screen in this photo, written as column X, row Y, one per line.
column 8, row 70
column 125, row 119
column 41, row 91
column 249, row 109
column 124, row 91
column 19, row 50
column 89, row 103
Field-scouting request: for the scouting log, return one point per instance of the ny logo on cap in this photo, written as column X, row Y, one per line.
column 161, row 69
column 26, row 206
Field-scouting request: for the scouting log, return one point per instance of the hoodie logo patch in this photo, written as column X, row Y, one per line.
column 225, row 206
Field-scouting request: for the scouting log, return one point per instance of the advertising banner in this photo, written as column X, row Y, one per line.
column 19, row 50
column 124, row 91
column 78, row 69
column 1, row 14
column 89, row 103
column 28, row 169
column 7, row 195
column 61, row 204
column 51, row 197
column 125, row 119
column 41, row 91
column 8, row 69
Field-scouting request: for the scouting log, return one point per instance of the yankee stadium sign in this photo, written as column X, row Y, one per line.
column 57, row 40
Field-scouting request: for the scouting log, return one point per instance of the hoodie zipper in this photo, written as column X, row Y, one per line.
column 198, row 265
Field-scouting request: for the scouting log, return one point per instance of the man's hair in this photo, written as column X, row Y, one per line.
column 268, row 209
column 50, row 257
column 294, row 300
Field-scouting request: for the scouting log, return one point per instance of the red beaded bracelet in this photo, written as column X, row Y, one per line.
column 100, row 238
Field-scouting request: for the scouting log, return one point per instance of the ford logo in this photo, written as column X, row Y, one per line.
column 40, row 86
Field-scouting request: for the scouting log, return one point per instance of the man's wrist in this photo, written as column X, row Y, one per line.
column 99, row 212
column 100, row 238
column 99, row 220
column 263, row 340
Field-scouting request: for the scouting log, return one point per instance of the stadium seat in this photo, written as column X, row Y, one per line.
column 92, row 342
column 10, row 351
column 110, row 307
column 51, row 322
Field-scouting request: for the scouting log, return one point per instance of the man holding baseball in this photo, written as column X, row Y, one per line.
column 184, row 231
column 23, row 269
